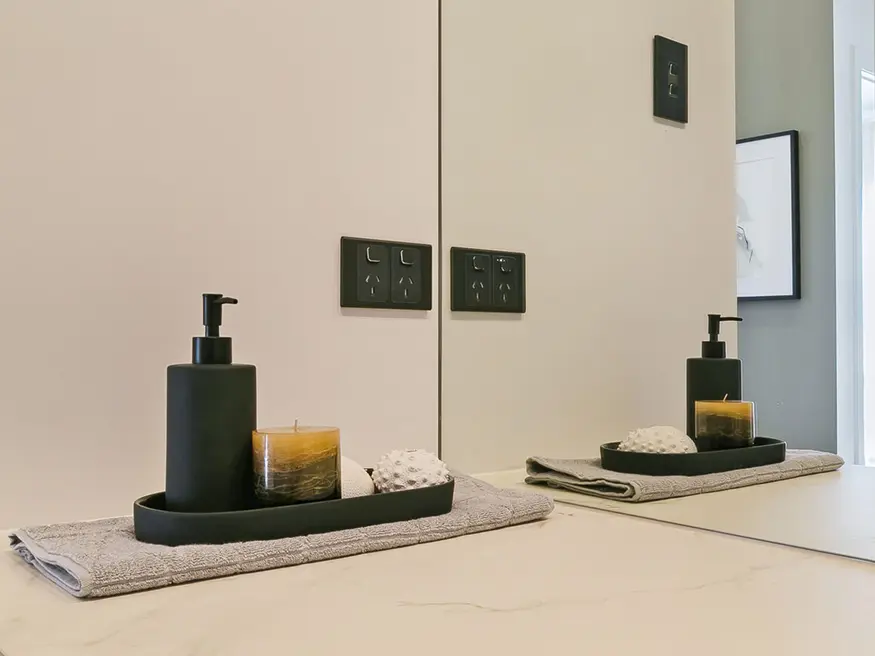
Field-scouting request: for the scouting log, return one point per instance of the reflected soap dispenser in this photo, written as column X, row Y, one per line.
column 712, row 377
column 210, row 419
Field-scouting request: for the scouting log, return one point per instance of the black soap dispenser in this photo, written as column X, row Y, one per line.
column 210, row 420
column 713, row 377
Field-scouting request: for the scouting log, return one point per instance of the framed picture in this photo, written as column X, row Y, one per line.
column 767, row 217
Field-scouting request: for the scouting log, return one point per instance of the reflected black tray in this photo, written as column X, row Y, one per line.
column 765, row 451
column 155, row 524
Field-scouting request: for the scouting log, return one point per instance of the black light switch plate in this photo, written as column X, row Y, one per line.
column 670, row 80
column 384, row 274
column 487, row 281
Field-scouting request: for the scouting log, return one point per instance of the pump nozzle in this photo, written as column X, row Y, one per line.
column 714, row 321
column 212, row 349
column 714, row 348
column 213, row 312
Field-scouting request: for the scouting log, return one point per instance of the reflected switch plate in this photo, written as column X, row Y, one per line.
column 670, row 80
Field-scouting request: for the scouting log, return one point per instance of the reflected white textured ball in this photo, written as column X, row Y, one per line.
column 355, row 481
column 409, row 469
column 658, row 439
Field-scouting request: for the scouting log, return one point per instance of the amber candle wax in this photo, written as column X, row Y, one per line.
column 724, row 424
column 296, row 464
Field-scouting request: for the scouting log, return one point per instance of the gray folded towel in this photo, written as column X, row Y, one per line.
column 588, row 477
column 102, row 558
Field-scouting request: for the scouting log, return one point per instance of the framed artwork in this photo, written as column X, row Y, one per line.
column 767, row 217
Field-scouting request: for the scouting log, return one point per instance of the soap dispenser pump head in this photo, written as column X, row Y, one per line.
column 213, row 312
column 212, row 348
column 714, row 348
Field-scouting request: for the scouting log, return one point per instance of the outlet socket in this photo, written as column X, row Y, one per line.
column 384, row 274
column 487, row 281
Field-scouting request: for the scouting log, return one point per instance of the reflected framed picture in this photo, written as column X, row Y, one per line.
column 767, row 217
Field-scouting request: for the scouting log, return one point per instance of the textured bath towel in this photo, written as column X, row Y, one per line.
column 102, row 558
column 588, row 477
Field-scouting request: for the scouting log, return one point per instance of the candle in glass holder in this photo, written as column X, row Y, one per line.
column 724, row 425
column 296, row 464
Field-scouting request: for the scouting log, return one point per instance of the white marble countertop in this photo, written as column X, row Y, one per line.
column 582, row 581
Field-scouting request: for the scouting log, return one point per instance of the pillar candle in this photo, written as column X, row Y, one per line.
column 724, row 425
column 296, row 464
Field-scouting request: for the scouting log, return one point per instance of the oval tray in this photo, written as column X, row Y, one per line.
column 155, row 524
column 765, row 451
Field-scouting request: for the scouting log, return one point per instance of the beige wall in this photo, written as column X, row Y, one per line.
column 628, row 224
column 152, row 151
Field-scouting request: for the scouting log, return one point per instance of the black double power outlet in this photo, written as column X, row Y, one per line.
column 487, row 281
column 385, row 274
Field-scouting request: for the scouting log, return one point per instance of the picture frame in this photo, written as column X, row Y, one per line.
column 767, row 217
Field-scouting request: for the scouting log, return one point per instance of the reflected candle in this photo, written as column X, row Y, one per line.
column 296, row 464
column 724, row 425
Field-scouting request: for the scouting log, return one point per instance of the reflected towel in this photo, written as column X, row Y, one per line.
column 588, row 477
column 102, row 558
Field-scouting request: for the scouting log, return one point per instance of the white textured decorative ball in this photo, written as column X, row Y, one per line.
column 409, row 469
column 355, row 481
column 658, row 439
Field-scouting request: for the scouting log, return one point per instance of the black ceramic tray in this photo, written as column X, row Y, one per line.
column 155, row 524
column 765, row 451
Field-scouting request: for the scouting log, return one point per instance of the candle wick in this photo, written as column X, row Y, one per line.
column 724, row 399
column 296, row 425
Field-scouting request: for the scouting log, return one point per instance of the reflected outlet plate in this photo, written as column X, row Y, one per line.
column 487, row 281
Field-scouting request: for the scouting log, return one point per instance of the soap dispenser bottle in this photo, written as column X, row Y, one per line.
column 210, row 420
column 713, row 377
